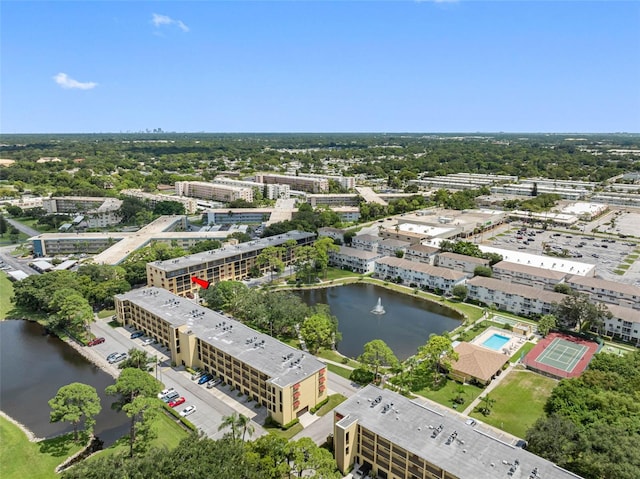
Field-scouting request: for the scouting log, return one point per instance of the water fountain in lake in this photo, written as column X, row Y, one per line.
column 378, row 309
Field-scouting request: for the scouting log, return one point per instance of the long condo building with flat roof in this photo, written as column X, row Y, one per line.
column 310, row 185
column 213, row 191
column 392, row 437
column 285, row 380
column 230, row 263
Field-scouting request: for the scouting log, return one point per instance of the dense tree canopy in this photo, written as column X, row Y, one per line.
column 593, row 421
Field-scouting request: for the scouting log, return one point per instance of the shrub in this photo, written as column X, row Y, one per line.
column 319, row 405
column 361, row 376
column 289, row 425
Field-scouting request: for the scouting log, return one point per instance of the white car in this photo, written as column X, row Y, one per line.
column 165, row 392
column 188, row 410
column 147, row 342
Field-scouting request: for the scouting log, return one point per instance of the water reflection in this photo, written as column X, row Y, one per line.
column 33, row 366
column 406, row 324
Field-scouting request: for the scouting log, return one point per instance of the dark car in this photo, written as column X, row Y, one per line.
column 136, row 334
column 204, row 378
column 95, row 341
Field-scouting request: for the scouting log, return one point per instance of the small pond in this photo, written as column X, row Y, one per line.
column 405, row 325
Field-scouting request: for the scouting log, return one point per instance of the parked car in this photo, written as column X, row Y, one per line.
column 197, row 375
column 171, row 396
column 213, row 383
column 111, row 356
column 177, row 402
column 165, row 392
column 147, row 342
column 136, row 334
column 95, row 341
column 205, row 378
column 188, row 410
column 118, row 357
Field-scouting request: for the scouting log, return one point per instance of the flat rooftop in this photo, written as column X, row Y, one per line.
column 227, row 251
column 284, row 364
column 442, row 438
column 563, row 265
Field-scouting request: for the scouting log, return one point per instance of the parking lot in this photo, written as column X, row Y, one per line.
column 606, row 253
column 212, row 404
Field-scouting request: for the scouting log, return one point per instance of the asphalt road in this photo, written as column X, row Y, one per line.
column 22, row 228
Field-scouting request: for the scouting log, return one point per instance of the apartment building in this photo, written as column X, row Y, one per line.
column 421, row 253
column 517, row 273
column 338, row 199
column 460, row 262
column 346, row 182
column 514, row 298
column 623, row 324
column 335, row 234
column 271, row 192
column 420, row 275
column 390, row 247
column 310, row 185
column 603, row 291
column 618, row 199
column 355, row 260
column 230, row 263
column 190, row 205
column 365, row 242
column 213, row 191
column 283, row 379
column 99, row 212
column 226, row 216
column 387, row 435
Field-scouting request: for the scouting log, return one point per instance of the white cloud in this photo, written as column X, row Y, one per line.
column 160, row 20
column 65, row 81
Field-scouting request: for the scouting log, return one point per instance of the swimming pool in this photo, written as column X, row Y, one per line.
column 496, row 341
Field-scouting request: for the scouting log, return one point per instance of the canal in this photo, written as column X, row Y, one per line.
column 33, row 366
column 405, row 325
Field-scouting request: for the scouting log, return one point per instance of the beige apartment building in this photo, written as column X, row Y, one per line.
column 310, row 185
column 285, row 380
column 389, row 436
column 213, row 191
column 230, row 263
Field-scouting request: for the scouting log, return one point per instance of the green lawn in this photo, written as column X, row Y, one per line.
column 5, row 298
column 20, row 458
column 334, row 400
column 288, row 434
column 519, row 402
column 526, row 347
column 449, row 391
column 169, row 434
column 337, row 357
column 340, row 371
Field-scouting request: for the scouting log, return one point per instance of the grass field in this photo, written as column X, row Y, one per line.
column 337, row 357
column 169, row 434
column 519, row 402
column 340, row 371
column 526, row 347
column 20, row 458
column 449, row 391
column 334, row 400
column 5, row 298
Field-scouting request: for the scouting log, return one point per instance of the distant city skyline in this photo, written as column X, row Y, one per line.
column 320, row 66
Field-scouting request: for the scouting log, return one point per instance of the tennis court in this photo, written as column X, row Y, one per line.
column 562, row 354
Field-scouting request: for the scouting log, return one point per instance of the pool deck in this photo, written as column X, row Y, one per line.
column 510, row 347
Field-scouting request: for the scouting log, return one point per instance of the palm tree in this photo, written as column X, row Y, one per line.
column 488, row 403
column 237, row 423
column 244, row 423
column 230, row 422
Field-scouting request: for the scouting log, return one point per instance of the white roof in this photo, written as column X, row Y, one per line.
column 539, row 261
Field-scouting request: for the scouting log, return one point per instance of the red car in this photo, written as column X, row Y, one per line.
column 95, row 341
column 177, row 402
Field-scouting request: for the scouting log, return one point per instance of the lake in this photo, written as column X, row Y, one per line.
column 406, row 324
column 33, row 366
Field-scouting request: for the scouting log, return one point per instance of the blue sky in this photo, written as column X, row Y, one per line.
column 326, row 66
